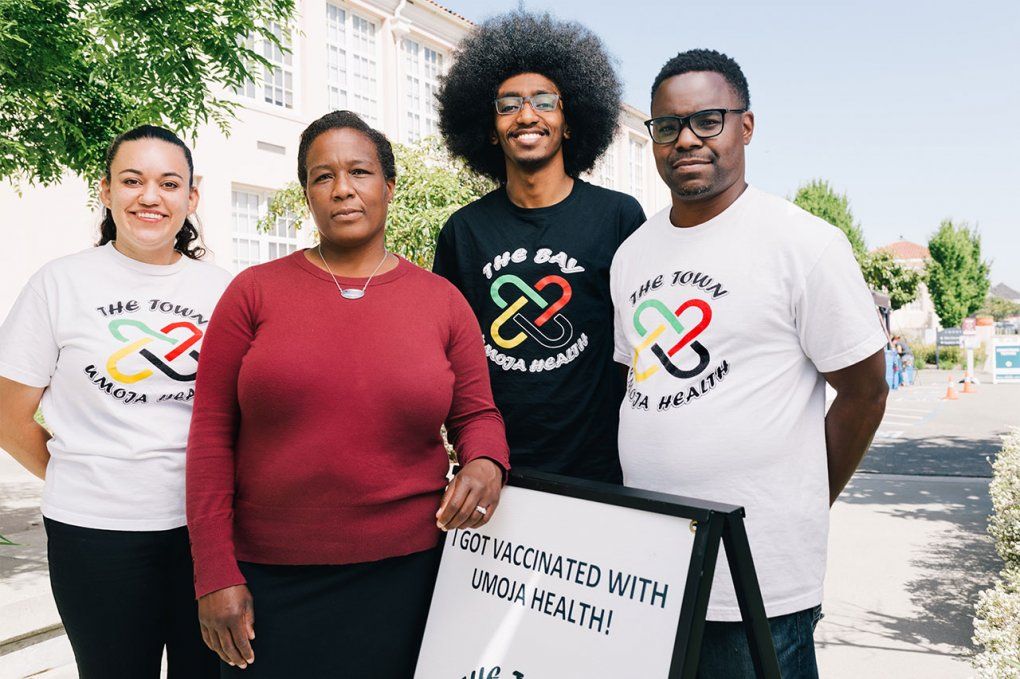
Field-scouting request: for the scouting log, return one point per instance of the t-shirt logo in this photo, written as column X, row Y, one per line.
column 187, row 336
column 687, row 337
column 558, row 334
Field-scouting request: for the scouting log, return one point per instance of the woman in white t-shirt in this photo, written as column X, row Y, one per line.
column 107, row 341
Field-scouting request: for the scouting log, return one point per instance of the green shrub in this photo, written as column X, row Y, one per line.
column 997, row 616
column 1004, row 524
column 949, row 357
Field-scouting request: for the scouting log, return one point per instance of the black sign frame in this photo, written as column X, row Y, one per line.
column 715, row 523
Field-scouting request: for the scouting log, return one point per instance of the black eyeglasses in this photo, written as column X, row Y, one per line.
column 704, row 124
column 542, row 103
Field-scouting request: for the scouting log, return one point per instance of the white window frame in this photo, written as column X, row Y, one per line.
column 423, row 64
column 637, row 154
column 353, row 71
column 604, row 173
column 282, row 81
column 259, row 247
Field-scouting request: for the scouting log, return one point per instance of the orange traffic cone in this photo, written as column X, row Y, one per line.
column 950, row 392
column 968, row 385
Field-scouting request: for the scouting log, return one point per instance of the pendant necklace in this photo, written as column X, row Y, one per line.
column 353, row 293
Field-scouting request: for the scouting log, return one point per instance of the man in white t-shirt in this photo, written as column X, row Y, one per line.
column 733, row 309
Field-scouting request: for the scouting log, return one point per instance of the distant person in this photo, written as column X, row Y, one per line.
column 901, row 347
column 733, row 309
column 532, row 103
column 316, row 468
column 108, row 341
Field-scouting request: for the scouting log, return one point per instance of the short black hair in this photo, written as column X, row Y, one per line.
column 338, row 120
column 707, row 60
column 520, row 42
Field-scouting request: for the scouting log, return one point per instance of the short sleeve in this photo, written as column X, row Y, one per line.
column 28, row 343
column 621, row 348
column 837, row 322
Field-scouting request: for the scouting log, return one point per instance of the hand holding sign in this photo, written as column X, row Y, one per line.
column 477, row 485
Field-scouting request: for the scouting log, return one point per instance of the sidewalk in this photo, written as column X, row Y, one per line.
column 907, row 557
column 31, row 636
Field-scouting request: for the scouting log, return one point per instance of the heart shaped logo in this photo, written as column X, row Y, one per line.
column 196, row 335
column 706, row 318
column 558, row 304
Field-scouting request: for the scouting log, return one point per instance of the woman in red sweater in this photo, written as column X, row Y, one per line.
column 316, row 470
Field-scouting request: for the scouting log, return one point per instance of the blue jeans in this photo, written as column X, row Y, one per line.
column 725, row 653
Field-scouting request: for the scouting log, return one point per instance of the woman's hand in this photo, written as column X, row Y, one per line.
column 476, row 485
column 227, row 618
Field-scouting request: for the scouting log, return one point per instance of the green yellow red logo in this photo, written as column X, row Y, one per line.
column 187, row 336
column 536, row 330
column 670, row 319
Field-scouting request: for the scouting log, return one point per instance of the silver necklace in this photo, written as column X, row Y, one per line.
column 353, row 293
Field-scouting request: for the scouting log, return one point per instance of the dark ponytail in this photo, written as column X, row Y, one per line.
column 187, row 238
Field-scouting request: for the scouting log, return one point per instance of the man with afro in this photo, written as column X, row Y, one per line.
column 533, row 102
column 734, row 307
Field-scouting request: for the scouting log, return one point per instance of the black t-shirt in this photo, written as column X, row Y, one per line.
column 538, row 281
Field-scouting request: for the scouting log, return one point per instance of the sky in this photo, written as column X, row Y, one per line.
column 908, row 107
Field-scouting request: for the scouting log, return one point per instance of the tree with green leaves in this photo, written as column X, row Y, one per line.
column 431, row 186
column 881, row 272
column 957, row 276
column 73, row 75
column 999, row 308
column 821, row 200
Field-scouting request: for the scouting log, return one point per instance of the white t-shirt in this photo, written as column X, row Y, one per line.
column 115, row 342
column 727, row 326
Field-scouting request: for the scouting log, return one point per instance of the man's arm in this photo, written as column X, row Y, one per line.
column 853, row 418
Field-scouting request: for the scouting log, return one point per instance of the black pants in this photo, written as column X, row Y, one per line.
column 355, row 621
column 123, row 596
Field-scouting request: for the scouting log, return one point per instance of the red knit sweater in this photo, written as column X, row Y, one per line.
column 315, row 436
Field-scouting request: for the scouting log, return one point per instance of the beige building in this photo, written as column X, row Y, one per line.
column 916, row 321
column 380, row 58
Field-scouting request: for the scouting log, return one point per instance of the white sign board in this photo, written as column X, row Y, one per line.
column 556, row 586
column 1006, row 362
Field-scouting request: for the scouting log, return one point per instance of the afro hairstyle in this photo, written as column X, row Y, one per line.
column 706, row 60
column 520, row 42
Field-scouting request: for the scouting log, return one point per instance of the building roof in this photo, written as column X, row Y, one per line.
column 1004, row 291
column 904, row 249
column 447, row 10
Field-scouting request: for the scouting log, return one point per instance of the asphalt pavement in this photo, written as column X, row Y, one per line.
column 923, row 434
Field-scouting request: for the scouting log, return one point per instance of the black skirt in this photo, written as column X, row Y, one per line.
column 343, row 622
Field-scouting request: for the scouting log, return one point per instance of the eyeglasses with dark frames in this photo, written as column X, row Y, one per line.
column 544, row 102
column 704, row 124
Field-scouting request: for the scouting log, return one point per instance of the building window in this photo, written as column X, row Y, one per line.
column 604, row 173
column 252, row 246
column 637, row 169
column 351, row 63
column 277, row 82
column 422, row 68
